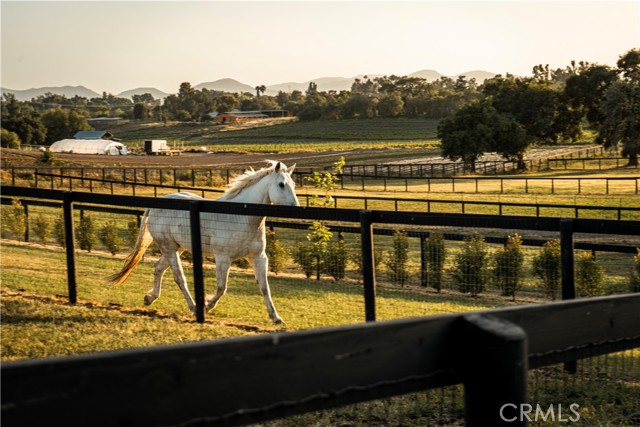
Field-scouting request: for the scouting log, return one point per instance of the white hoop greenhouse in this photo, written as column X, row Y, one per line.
column 89, row 146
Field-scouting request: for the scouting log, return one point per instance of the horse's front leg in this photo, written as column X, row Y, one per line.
column 260, row 267
column 222, row 276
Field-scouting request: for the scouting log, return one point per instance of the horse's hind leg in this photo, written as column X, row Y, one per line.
column 222, row 276
column 260, row 266
column 173, row 258
column 158, row 271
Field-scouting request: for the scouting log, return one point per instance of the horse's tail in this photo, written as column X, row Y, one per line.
column 143, row 242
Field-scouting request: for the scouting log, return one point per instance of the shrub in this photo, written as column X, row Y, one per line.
column 58, row 231
column 42, row 228
column 470, row 266
column 275, row 252
column 14, row 220
column 356, row 255
column 398, row 258
column 334, row 262
column 304, row 255
column 635, row 273
column 9, row 139
column 86, row 233
column 508, row 266
column 589, row 276
column 435, row 251
column 47, row 157
column 132, row 233
column 109, row 237
column 242, row 263
column 547, row 268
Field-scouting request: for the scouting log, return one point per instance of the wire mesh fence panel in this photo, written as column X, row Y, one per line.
column 606, row 264
column 437, row 407
column 604, row 391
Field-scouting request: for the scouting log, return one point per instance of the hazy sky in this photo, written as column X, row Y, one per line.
column 119, row 45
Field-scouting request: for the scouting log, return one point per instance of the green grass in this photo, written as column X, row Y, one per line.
column 303, row 303
column 38, row 322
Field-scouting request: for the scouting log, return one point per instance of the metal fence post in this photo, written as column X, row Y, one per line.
column 568, row 280
column 368, row 265
column 196, row 252
column 67, row 210
column 493, row 358
column 566, row 255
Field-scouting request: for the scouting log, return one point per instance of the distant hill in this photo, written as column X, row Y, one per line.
column 226, row 85
column 234, row 86
column 479, row 75
column 68, row 91
column 428, row 75
column 156, row 93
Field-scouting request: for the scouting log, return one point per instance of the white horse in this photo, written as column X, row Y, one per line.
column 225, row 236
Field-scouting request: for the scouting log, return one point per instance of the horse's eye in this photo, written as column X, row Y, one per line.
column 281, row 185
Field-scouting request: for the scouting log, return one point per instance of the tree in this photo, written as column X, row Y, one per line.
column 390, row 105
column 470, row 268
column 469, row 133
column 14, row 220
column 276, row 252
column 508, row 266
column 534, row 104
column 621, row 109
column 62, row 124
column 547, row 267
column 260, row 89
column 589, row 276
column 435, row 254
column 20, row 118
column 584, row 92
column 108, row 235
column 140, row 111
column 86, row 233
column 398, row 258
column 9, row 139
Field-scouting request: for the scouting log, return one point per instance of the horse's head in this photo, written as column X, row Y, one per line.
column 282, row 191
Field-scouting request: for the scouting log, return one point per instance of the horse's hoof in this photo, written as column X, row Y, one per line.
column 280, row 322
column 148, row 300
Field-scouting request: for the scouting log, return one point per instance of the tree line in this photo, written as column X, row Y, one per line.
column 506, row 114
column 514, row 113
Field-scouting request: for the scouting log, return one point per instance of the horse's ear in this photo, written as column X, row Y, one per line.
column 278, row 166
column 291, row 168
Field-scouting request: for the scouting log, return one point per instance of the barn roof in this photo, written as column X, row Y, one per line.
column 84, row 146
column 95, row 134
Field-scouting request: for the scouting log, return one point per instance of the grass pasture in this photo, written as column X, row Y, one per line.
column 301, row 302
column 38, row 322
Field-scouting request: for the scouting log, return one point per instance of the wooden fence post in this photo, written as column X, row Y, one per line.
column 368, row 265
column 493, row 357
column 196, row 252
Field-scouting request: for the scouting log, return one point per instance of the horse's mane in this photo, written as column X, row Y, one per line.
column 247, row 179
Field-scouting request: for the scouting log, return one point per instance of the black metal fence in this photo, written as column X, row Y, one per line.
column 297, row 372
column 564, row 228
